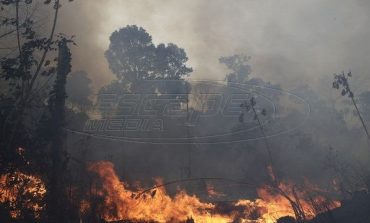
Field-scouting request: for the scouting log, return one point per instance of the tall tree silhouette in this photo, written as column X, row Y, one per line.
column 56, row 193
column 25, row 74
column 134, row 58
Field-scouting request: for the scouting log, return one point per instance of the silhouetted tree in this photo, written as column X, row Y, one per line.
column 22, row 72
column 56, row 186
column 240, row 69
column 133, row 58
column 341, row 83
column 26, row 70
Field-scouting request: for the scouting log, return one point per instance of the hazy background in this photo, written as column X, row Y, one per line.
column 290, row 42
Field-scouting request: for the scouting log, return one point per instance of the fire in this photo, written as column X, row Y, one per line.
column 277, row 206
column 121, row 203
column 21, row 191
column 118, row 202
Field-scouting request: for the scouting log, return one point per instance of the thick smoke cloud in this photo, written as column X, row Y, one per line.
column 291, row 43
column 295, row 40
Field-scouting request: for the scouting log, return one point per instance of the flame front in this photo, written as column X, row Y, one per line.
column 121, row 203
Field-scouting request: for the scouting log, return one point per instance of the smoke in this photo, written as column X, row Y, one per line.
column 299, row 41
column 291, row 43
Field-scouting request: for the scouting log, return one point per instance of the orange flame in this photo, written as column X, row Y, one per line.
column 19, row 189
column 277, row 206
column 121, row 203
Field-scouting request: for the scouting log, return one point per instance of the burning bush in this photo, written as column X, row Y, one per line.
column 21, row 195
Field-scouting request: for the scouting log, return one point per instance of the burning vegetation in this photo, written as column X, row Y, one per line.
column 114, row 201
column 22, row 194
column 49, row 131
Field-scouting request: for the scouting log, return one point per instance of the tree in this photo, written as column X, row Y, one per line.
column 131, row 54
column 26, row 68
column 133, row 58
column 23, row 68
column 78, row 89
column 56, row 183
column 341, row 83
column 238, row 64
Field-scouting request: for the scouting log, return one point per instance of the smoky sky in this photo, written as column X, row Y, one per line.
column 290, row 42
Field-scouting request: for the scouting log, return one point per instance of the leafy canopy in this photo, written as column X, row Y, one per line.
column 133, row 58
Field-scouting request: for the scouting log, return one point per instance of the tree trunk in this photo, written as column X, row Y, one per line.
column 57, row 202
